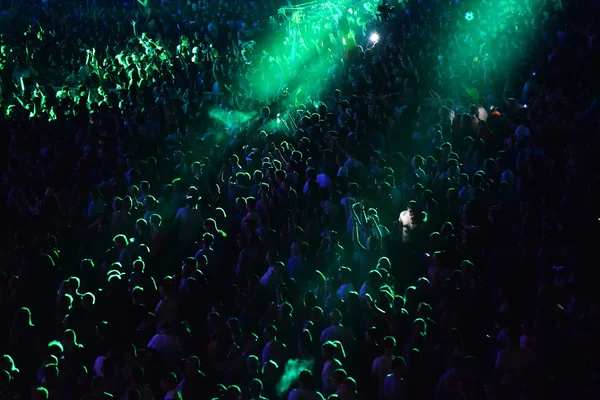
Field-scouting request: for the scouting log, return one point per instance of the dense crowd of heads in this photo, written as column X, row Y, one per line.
column 203, row 201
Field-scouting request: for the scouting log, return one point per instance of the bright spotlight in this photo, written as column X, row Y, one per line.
column 374, row 38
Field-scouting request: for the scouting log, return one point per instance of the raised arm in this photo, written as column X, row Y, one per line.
column 378, row 234
column 356, row 238
column 133, row 23
column 373, row 307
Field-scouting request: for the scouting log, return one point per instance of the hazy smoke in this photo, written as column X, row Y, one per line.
column 232, row 119
column 291, row 372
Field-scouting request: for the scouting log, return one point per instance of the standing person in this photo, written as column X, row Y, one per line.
column 382, row 366
column 394, row 386
column 274, row 349
column 307, row 390
column 256, row 389
column 219, row 236
column 338, row 332
column 331, row 353
column 96, row 205
column 124, row 256
column 160, row 245
column 411, row 222
column 188, row 223
column 168, row 384
column 23, row 342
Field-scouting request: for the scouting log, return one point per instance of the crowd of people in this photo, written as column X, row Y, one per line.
column 192, row 212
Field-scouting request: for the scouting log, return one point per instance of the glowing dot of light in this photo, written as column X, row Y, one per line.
column 350, row 11
column 469, row 16
column 343, row 41
column 374, row 37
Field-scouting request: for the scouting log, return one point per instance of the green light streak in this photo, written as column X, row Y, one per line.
column 308, row 50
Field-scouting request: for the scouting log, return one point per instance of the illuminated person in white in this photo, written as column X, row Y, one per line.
column 411, row 221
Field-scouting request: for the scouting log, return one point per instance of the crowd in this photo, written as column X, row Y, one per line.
column 189, row 215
